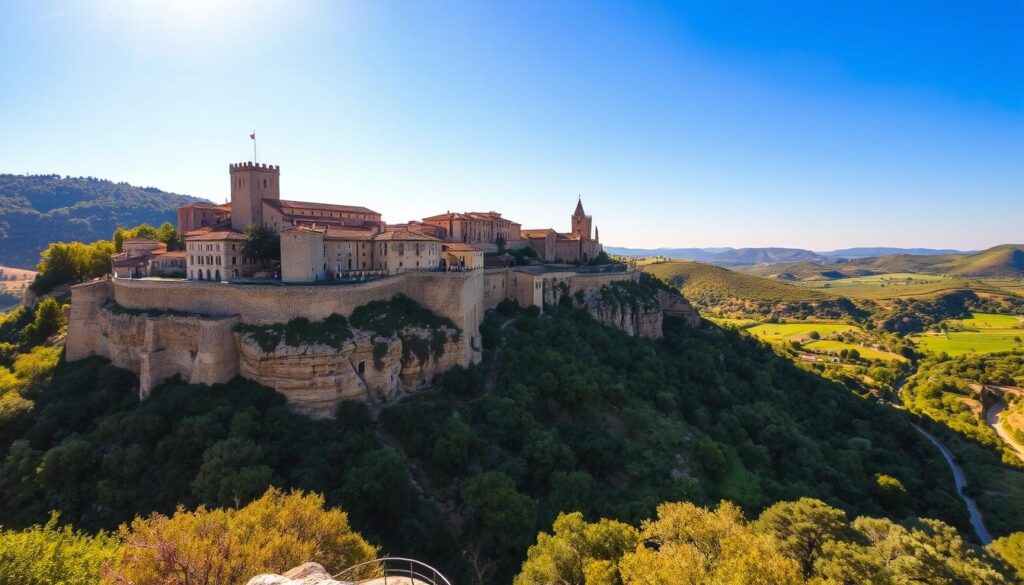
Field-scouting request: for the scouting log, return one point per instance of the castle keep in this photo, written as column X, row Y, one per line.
column 211, row 323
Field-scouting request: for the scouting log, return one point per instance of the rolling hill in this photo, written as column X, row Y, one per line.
column 36, row 210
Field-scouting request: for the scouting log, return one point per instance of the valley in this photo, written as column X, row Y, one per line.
column 928, row 331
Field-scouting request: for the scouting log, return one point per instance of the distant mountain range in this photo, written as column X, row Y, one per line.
column 753, row 256
column 38, row 209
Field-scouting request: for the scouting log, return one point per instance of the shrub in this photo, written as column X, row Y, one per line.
column 49, row 554
column 270, row 535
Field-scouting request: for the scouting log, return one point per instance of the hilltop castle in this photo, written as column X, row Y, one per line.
column 321, row 241
column 207, row 324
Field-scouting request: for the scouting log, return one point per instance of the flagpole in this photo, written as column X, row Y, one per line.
column 254, row 159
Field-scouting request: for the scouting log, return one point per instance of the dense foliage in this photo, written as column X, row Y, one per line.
column 50, row 553
column 220, row 546
column 36, row 210
column 271, row 534
column 805, row 541
column 581, row 417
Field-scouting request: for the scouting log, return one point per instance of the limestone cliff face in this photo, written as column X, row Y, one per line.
column 676, row 305
column 157, row 347
column 634, row 310
column 315, row 378
column 636, row 320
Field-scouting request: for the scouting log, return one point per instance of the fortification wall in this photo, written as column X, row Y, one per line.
column 83, row 321
column 455, row 295
column 191, row 330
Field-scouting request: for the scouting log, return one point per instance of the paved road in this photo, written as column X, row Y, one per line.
column 992, row 418
column 961, row 488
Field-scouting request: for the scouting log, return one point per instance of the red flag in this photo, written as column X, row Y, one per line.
column 253, row 135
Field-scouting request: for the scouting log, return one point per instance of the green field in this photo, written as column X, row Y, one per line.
column 730, row 322
column 982, row 333
column 895, row 284
column 704, row 283
column 783, row 332
column 828, row 346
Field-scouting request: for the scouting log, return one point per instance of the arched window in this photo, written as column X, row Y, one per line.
column 217, row 275
column 207, row 274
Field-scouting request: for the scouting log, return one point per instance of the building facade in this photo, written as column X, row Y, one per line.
column 321, row 241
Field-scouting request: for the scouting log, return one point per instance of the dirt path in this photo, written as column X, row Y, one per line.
column 992, row 418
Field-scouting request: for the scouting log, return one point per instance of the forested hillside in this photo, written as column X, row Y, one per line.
column 564, row 415
column 36, row 210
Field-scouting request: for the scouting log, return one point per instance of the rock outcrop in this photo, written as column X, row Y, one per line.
column 305, row 574
column 676, row 305
column 635, row 310
column 316, row 378
column 637, row 320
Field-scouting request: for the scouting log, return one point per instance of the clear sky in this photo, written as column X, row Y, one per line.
column 806, row 124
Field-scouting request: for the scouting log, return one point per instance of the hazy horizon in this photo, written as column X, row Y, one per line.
column 680, row 124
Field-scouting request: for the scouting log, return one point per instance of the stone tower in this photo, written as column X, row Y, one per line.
column 251, row 183
column 581, row 222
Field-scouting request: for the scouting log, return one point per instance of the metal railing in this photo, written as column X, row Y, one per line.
column 395, row 568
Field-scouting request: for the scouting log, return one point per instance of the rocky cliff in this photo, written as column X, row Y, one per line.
column 635, row 308
column 316, row 377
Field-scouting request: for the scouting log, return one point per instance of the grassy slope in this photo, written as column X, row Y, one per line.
column 699, row 281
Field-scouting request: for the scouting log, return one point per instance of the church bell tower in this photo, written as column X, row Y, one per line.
column 581, row 222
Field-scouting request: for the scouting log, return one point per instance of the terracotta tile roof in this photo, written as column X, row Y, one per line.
column 460, row 247
column 207, row 235
column 537, row 233
column 285, row 206
column 348, row 234
column 303, row 228
column 404, row 235
column 132, row 261
column 218, row 206
column 169, row 255
column 473, row 215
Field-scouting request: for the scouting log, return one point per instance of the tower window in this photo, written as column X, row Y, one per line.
column 264, row 183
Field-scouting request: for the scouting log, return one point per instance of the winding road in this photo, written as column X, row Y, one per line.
column 992, row 418
column 958, row 474
column 961, row 488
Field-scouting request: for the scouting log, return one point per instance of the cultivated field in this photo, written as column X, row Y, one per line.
column 897, row 284
column 829, row 346
column 983, row 333
column 785, row 332
column 13, row 282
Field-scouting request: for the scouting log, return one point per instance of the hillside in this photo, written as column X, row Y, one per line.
column 564, row 415
column 36, row 210
column 766, row 256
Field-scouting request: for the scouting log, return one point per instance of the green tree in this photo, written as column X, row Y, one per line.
column 262, row 245
column 496, row 513
column 53, row 554
column 802, row 528
column 578, row 552
column 223, row 546
column 1011, row 549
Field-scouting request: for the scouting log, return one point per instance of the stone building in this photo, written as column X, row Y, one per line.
column 142, row 257
column 477, row 227
column 577, row 246
column 322, row 241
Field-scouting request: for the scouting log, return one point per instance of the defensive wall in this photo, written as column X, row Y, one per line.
column 160, row 328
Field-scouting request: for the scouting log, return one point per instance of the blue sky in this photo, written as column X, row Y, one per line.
column 803, row 124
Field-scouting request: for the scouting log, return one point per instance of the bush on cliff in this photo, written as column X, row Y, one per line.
column 332, row 331
column 271, row 534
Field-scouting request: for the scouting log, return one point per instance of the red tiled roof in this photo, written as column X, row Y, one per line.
column 214, row 235
column 285, row 206
column 460, row 247
column 537, row 233
column 404, row 235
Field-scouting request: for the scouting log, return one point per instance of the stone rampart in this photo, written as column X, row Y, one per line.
column 455, row 295
column 159, row 329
